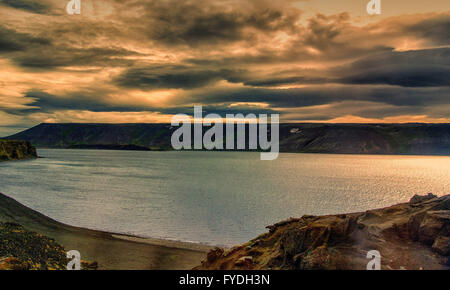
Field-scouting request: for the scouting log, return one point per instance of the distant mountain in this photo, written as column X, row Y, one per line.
column 427, row 139
column 81, row 136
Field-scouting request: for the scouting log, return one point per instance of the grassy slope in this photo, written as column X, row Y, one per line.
column 21, row 249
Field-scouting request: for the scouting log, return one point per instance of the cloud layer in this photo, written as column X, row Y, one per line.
column 126, row 61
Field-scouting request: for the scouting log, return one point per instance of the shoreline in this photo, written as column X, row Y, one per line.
column 389, row 139
column 174, row 244
column 408, row 236
column 249, row 151
column 329, row 241
column 112, row 251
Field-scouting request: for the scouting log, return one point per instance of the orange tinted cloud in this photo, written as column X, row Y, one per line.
column 143, row 61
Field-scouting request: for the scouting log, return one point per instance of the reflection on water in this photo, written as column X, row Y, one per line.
column 220, row 198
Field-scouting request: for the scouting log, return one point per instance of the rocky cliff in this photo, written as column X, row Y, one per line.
column 16, row 150
column 414, row 235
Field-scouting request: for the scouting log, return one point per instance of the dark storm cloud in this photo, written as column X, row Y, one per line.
column 323, row 30
column 158, row 77
column 322, row 95
column 173, row 77
column 46, row 52
column 437, row 29
column 44, row 102
column 13, row 41
column 208, row 22
column 47, row 57
column 35, row 6
column 271, row 82
column 334, row 38
column 219, row 109
column 95, row 101
column 393, row 100
column 421, row 68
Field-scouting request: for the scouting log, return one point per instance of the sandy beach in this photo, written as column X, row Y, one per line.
column 111, row 251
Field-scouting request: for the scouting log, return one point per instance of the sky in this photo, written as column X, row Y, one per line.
column 136, row 61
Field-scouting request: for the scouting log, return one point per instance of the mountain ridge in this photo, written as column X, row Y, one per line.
column 409, row 139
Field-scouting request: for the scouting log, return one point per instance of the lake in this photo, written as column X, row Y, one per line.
column 217, row 198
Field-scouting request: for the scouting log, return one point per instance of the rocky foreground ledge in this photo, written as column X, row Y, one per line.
column 16, row 150
column 413, row 236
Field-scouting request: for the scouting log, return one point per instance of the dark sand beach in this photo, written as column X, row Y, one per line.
column 111, row 251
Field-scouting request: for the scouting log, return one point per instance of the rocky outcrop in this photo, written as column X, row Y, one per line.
column 412, row 235
column 16, row 150
column 421, row 198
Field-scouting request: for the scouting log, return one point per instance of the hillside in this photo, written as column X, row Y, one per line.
column 16, row 150
column 90, row 135
column 25, row 250
column 427, row 139
column 413, row 236
column 25, row 234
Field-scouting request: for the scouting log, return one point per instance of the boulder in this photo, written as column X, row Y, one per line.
column 421, row 198
column 432, row 225
column 410, row 235
column 442, row 245
column 88, row 265
column 214, row 254
column 244, row 261
column 11, row 263
column 318, row 258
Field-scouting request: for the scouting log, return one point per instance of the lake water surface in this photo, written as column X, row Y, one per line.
column 219, row 198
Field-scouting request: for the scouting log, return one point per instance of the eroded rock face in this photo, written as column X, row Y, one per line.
column 16, row 150
column 434, row 224
column 413, row 235
column 421, row 198
column 441, row 245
